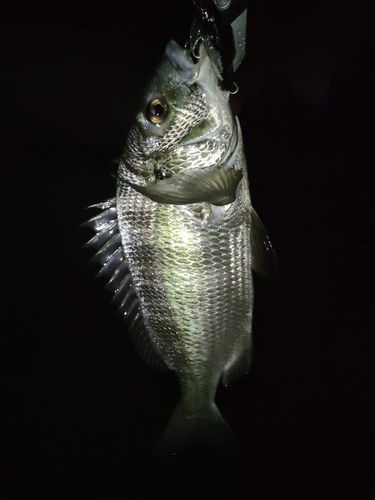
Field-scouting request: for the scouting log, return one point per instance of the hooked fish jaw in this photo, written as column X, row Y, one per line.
column 182, row 62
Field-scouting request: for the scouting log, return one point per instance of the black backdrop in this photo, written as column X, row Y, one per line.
column 81, row 411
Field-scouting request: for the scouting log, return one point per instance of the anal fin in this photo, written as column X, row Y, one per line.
column 239, row 367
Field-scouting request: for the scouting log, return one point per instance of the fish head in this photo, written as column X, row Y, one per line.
column 183, row 105
column 178, row 82
column 169, row 94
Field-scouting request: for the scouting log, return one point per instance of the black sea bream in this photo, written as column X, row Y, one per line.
column 179, row 241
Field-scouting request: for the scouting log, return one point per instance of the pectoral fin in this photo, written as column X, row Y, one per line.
column 216, row 186
column 263, row 254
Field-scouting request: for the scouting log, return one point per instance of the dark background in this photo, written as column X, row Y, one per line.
column 81, row 411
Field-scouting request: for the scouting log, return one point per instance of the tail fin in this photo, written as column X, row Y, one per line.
column 186, row 434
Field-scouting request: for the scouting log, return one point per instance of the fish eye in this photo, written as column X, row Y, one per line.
column 157, row 111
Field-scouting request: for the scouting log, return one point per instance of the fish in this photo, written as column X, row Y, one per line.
column 179, row 242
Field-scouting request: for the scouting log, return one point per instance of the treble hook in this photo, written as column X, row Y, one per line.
column 235, row 92
column 197, row 56
column 192, row 48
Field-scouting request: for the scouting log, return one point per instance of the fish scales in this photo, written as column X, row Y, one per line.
column 189, row 241
column 195, row 287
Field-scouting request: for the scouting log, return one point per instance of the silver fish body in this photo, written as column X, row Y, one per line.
column 181, row 262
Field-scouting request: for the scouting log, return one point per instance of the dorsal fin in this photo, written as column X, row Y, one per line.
column 110, row 254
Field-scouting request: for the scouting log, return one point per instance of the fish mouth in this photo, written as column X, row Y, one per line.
column 190, row 73
column 183, row 63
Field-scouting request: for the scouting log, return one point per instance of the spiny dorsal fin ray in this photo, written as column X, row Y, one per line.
column 102, row 236
column 263, row 254
column 120, row 278
column 110, row 254
column 113, row 263
column 105, row 253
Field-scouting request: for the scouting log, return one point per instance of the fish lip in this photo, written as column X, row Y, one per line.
column 183, row 62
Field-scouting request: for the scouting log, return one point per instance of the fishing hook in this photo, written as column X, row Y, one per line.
column 235, row 91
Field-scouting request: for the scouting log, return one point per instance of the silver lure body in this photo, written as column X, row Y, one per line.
column 187, row 243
